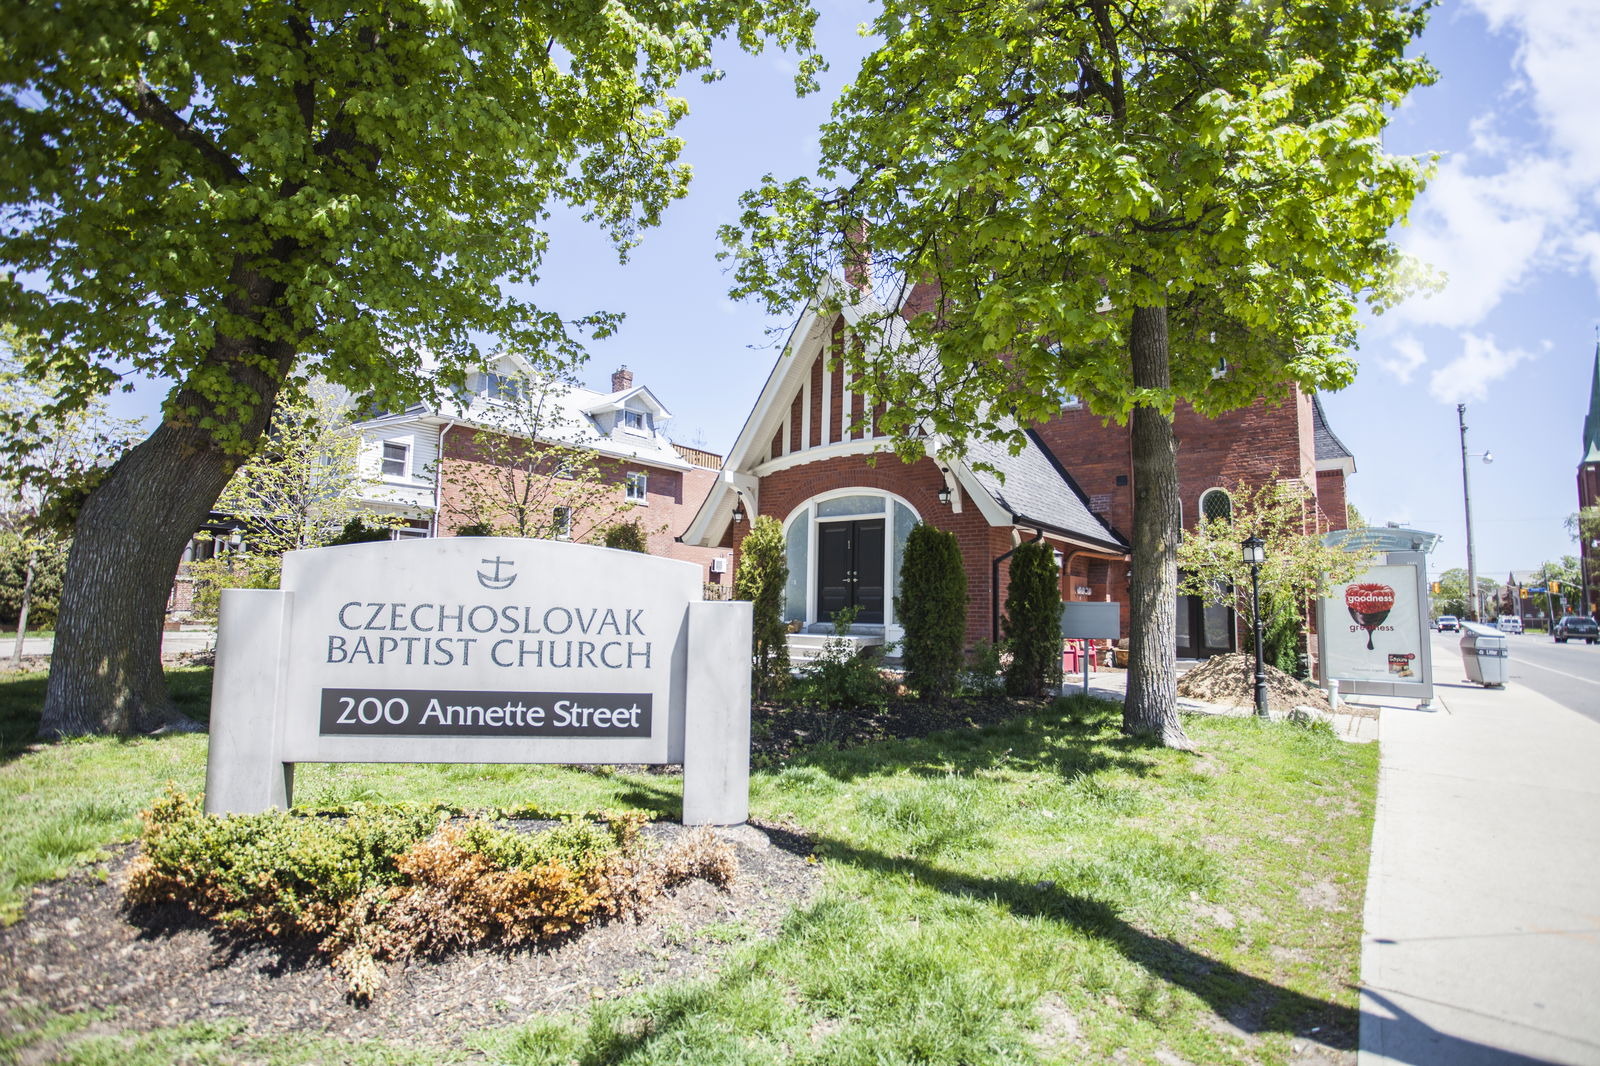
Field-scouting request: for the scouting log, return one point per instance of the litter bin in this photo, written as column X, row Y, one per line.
column 1483, row 653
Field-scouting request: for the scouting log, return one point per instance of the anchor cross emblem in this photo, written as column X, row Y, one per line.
column 494, row 580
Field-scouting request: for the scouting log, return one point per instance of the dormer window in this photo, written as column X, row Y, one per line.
column 633, row 421
column 501, row 387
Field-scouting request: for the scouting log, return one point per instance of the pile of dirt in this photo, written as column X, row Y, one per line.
column 1230, row 681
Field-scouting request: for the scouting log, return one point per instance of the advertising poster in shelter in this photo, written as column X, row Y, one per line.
column 1373, row 627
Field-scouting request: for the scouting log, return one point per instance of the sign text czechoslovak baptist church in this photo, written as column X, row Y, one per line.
column 475, row 650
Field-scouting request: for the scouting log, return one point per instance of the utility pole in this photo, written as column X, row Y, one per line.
column 1466, row 496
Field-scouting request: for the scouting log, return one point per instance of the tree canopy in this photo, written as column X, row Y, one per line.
column 237, row 196
column 1109, row 202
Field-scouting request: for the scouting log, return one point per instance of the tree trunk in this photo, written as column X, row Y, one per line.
column 1151, row 706
column 105, row 670
column 22, row 612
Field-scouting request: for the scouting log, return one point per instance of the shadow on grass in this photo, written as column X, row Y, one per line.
column 22, row 703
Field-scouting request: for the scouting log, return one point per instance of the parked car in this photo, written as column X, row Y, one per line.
column 1577, row 627
column 1448, row 623
column 1510, row 624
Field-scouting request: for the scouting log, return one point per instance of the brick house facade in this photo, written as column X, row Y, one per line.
column 810, row 456
column 422, row 457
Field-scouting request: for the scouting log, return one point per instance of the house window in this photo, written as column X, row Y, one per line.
column 636, row 486
column 1216, row 506
column 633, row 420
column 562, row 522
column 395, row 455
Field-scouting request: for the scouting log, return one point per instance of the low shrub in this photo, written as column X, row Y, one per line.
column 983, row 670
column 842, row 678
column 387, row 883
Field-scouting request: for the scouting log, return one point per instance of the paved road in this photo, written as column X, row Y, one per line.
column 1568, row 673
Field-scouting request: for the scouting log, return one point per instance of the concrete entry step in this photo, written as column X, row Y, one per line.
column 805, row 647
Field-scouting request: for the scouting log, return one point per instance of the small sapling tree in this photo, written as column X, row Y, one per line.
column 1298, row 569
column 1033, row 621
column 531, row 475
column 763, row 573
column 932, row 606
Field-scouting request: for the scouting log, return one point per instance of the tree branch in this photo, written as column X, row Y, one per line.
column 146, row 106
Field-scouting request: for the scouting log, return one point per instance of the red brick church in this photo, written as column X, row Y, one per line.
column 809, row 455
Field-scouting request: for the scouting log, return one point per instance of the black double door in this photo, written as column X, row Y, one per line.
column 850, row 569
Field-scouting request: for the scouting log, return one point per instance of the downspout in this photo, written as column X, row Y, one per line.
column 438, row 477
column 994, row 586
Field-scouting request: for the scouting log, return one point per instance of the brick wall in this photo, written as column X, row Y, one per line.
column 918, row 484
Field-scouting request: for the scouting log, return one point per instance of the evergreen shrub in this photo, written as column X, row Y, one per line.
column 356, row 531
column 626, row 536
column 763, row 573
column 389, row 882
column 1033, row 621
column 932, row 606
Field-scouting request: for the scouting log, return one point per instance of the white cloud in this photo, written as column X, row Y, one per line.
column 1523, row 199
column 1556, row 50
column 1406, row 357
column 1468, row 376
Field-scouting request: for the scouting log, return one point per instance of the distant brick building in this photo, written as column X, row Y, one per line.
column 847, row 504
column 422, row 456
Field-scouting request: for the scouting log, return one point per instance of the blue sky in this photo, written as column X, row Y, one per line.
column 1513, row 218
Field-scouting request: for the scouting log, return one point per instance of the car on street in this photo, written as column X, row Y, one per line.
column 1509, row 624
column 1448, row 623
column 1576, row 627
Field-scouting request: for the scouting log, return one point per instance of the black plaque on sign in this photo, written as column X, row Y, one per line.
column 368, row 712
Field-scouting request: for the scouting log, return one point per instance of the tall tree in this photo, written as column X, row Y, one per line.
column 233, row 195
column 52, row 461
column 1107, row 198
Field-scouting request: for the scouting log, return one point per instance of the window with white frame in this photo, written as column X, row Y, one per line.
column 563, row 523
column 395, row 457
column 633, row 420
column 637, row 481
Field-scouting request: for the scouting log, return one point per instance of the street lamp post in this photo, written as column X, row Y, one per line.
column 1466, row 497
column 1254, row 553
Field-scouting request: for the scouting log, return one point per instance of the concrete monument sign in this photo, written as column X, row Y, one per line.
column 469, row 649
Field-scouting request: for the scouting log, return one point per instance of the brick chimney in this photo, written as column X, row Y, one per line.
column 621, row 379
column 858, row 258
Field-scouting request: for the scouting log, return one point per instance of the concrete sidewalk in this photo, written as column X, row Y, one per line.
column 1482, row 930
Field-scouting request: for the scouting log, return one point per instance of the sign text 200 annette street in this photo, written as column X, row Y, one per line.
column 438, row 713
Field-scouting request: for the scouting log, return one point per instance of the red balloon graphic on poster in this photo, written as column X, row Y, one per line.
column 1369, row 605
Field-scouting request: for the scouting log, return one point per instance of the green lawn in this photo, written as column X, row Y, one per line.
column 1039, row 891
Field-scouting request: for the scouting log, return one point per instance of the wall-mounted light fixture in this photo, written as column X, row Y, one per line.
column 944, row 495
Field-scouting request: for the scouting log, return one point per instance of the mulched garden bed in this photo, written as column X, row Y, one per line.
column 779, row 730
column 78, row 947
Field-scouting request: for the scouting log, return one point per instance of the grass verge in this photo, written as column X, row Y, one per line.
column 1043, row 890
